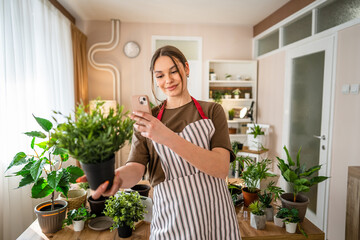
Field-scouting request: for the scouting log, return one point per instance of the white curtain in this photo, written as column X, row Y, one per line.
column 36, row 77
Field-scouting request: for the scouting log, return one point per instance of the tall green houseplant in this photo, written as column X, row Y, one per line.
column 43, row 168
column 93, row 138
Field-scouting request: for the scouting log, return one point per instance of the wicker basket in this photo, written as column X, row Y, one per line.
column 76, row 197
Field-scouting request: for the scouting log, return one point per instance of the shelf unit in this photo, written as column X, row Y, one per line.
column 240, row 70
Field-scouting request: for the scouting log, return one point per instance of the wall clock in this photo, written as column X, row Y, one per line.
column 131, row 49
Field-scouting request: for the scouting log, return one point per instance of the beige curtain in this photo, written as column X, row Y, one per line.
column 80, row 65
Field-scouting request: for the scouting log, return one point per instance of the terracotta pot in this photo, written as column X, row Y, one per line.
column 249, row 197
column 50, row 221
column 232, row 130
column 301, row 203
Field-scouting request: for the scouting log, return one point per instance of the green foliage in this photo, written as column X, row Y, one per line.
column 94, row 137
column 228, row 75
column 296, row 174
column 235, row 191
column 43, row 168
column 282, row 212
column 255, row 172
column 265, row 199
column 236, row 91
column 216, row 95
column 231, row 113
column 257, row 208
column 256, row 130
column 292, row 215
column 125, row 209
column 84, row 185
column 274, row 190
column 80, row 214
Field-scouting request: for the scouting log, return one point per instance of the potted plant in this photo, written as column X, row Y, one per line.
column 43, row 169
column 256, row 138
column 227, row 95
column 257, row 215
column 231, row 114
column 270, row 193
column 235, row 193
column 216, row 96
column 237, row 166
column 78, row 217
column 280, row 216
column 93, row 138
column 252, row 175
column 228, row 76
column 236, row 93
column 125, row 209
column 300, row 180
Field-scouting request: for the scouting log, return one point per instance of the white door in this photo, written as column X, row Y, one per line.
column 307, row 105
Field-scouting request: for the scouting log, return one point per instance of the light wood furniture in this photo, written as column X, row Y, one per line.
column 352, row 230
column 142, row 232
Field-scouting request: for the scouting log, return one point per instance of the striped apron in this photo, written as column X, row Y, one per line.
column 191, row 204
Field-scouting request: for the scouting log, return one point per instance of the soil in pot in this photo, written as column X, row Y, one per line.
column 97, row 206
column 98, row 173
column 249, row 197
column 50, row 221
column 301, row 203
column 124, row 231
column 142, row 189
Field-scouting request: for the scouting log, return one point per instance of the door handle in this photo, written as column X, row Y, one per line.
column 320, row 137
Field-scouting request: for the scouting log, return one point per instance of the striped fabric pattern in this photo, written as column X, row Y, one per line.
column 190, row 204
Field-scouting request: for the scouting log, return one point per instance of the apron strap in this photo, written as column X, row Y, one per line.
column 197, row 105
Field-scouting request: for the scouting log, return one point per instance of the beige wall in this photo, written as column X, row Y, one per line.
column 219, row 42
column 346, row 128
column 346, row 131
column 270, row 100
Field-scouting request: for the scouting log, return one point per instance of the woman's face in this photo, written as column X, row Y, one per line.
column 168, row 79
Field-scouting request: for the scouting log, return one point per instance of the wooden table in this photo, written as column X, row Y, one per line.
column 142, row 231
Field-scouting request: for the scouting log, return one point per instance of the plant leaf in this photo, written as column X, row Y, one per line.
column 59, row 151
column 35, row 134
column 44, row 123
column 26, row 180
column 36, row 169
column 26, row 169
column 41, row 189
column 42, row 145
column 290, row 176
column 290, row 161
column 298, row 157
column 54, row 178
column 311, row 171
column 317, row 179
column 19, row 158
column 75, row 173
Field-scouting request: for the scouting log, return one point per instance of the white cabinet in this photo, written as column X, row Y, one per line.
column 243, row 77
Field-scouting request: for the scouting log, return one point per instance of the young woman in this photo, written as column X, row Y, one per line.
column 185, row 146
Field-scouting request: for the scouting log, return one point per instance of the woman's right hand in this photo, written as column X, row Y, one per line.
column 101, row 190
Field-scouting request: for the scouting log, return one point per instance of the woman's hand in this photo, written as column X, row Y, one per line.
column 151, row 127
column 101, row 190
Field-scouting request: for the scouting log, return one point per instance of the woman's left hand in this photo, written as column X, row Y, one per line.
column 151, row 127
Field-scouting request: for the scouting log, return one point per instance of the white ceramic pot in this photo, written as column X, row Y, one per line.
column 256, row 144
column 212, row 76
column 269, row 213
column 257, row 222
column 236, row 96
column 290, row 227
column 278, row 221
column 227, row 96
column 78, row 225
column 247, row 95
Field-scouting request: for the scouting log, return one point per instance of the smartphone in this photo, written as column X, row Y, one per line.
column 141, row 103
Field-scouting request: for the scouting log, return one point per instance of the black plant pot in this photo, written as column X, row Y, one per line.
column 97, row 206
column 98, row 173
column 142, row 189
column 124, row 231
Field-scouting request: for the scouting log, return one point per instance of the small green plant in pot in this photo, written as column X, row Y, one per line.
column 256, row 138
column 252, row 175
column 231, row 114
column 78, row 217
column 257, row 215
column 300, row 180
column 43, row 168
column 271, row 193
column 236, row 93
column 292, row 221
column 280, row 216
column 93, row 138
column 125, row 209
column 216, row 96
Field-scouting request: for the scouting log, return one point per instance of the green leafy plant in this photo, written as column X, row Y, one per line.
column 297, row 175
column 227, row 75
column 94, row 137
column 43, row 167
column 125, row 209
column 236, row 91
column 80, row 214
column 255, row 172
column 256, row 130
column 292, row 216
column 84, row 185
column 270, row 193
column 265, row 199
column 282, row 213
column 231, row 114
column 257, row 208
column 216, row 95
column 235, row 191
